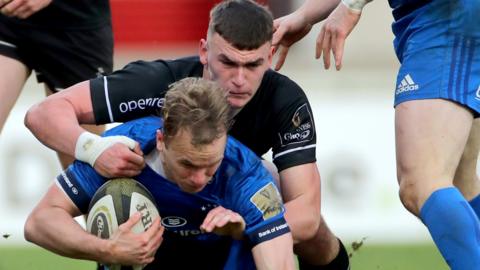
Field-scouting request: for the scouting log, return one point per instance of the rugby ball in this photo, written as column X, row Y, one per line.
column 114, row 203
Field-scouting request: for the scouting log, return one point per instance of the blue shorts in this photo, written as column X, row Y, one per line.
column 438, row 45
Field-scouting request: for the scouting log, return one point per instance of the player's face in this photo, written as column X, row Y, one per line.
column 240, row 72
column 190, row 167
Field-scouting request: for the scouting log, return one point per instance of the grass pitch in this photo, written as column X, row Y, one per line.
column 368, row 257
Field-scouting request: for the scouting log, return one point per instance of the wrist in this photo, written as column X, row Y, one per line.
column 105, row 252
column 85, row 148
column 90, row 146
column 355, row 5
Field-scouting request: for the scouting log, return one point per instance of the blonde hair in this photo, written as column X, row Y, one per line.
column 197, row 105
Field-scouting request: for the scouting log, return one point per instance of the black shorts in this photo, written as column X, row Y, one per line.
column 60, row 58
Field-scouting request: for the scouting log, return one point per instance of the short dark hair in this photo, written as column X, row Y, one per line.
column 199, row 106
column 243, row 23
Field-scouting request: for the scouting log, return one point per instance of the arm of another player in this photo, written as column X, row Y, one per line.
column 55, row 122
column 291, row 28
column 300, row 188
column 22, row 8
column 51, row 225
column 335, row 30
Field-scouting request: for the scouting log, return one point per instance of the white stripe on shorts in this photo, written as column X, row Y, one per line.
column 7, row 44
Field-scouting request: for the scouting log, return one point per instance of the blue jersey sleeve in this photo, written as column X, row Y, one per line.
column 252, row 193
column 80, row 182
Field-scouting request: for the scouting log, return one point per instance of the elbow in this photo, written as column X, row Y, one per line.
column 32, row 118
column 29, row 228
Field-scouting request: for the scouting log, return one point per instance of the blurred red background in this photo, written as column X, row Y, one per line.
column 160, row 22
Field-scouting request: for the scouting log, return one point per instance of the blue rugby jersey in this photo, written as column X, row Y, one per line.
column 241, row 184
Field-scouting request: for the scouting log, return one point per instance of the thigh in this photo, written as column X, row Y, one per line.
column 69, row 57
column 466, row 178
column 13, row 76
column 430, row 137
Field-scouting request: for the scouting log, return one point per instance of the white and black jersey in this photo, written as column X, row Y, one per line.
column 278, row 117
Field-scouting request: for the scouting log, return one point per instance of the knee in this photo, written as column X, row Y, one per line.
column 410, row 195
column 321, row 246
column 315, row 230
column 309, row 230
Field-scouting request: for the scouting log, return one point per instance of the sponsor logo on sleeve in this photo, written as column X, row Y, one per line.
column 69, row 183
column 301, row 128
column 273, row 229
column 268, row 201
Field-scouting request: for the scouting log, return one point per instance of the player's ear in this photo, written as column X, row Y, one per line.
column 202, row 51
column 270, row 55
column 160, row 140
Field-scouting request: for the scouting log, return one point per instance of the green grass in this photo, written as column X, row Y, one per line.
column 367, row 257
column 35, row 258
column 398, row 257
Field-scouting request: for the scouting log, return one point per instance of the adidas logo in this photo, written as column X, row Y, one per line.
column 407, row 84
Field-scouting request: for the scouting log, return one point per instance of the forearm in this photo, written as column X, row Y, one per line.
column 275, row 254
column 55, row 120
column 68, row 239
column 59, row 134
column 315, row 11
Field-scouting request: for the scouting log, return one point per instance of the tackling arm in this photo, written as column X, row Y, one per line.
column 55, row 120
column 51, row 225
column 56, row 123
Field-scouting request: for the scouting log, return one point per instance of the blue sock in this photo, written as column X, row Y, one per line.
column 475, row 204
column 454, row 228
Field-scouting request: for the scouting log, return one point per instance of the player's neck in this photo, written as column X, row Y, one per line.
column 153, row 161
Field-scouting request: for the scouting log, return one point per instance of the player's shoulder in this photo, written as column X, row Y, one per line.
column 142, row 130
column 279, row 86
column 239, row 157
column 279, row 92
column 178, row 68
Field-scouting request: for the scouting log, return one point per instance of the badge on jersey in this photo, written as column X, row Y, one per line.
column 268, row 201
column 301, row 128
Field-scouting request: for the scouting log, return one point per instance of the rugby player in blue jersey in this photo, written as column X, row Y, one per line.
column 196, row 174
column 437, row 99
